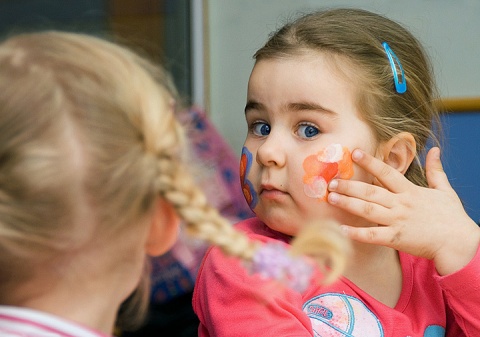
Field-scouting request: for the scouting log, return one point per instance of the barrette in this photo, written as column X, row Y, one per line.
column 400, row 81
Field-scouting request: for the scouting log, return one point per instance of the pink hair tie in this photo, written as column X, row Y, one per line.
column 273, row 261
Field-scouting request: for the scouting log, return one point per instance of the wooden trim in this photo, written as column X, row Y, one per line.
column 460, row 104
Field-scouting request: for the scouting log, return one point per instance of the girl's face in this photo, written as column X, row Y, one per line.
column 302, row 127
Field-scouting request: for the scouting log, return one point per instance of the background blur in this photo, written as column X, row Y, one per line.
column 159, row 29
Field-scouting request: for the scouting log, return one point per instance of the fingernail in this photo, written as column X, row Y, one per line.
column 333, row 185
column 344, row 230
column 333, row 198
column 357, row 155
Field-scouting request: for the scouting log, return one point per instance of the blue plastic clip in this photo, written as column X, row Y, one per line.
column 400, row 81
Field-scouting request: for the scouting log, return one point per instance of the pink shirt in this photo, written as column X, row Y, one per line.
column 16, row 322
column 230, row 302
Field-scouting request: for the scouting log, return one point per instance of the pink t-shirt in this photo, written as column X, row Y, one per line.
column 230, row 302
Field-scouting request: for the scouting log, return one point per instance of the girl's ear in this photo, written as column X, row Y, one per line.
column 399, row 152
column 163, row 228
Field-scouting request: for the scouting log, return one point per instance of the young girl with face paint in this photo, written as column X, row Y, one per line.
column 340, row 106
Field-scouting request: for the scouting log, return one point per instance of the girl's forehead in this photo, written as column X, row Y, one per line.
column 308, row 55
column 311, row 76
column 308, row 64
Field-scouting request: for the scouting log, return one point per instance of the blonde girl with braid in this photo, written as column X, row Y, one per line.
column 339, row 109
column 93, row 179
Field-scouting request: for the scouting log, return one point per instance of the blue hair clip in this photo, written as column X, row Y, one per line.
column 400, row 82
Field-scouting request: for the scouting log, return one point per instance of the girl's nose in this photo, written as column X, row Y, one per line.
column 271, row 152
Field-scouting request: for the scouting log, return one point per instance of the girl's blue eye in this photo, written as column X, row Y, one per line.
column 308, row 131
column 261, row 129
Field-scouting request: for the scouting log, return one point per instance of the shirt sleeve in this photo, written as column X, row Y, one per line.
column 462, row 290
column 231, row 302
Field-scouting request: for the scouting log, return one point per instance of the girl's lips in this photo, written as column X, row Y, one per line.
column 271, row 193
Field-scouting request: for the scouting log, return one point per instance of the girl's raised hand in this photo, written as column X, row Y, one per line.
column 427, row 222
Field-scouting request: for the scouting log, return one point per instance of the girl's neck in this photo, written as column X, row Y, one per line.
column 77, row 288
column 377, row 271
column 68, row 302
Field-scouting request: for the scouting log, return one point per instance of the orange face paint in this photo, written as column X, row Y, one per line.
column 334, row 161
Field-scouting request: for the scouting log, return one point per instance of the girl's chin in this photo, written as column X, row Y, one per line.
column 282, row 227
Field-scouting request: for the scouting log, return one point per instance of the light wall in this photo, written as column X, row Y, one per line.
column 450, row 30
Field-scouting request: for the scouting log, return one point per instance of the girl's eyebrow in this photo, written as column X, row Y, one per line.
column 310, row 106
column 252, row 105
column 298, row 106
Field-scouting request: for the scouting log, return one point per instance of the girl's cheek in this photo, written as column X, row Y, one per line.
column 334, row 161
column 247, row 187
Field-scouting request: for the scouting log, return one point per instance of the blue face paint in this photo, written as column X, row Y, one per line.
column 247, row 187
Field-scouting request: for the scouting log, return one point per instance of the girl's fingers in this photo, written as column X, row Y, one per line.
column 385, row 174
column 363, row 191
column 370, row 211
column 373, row 235
column 436, row 176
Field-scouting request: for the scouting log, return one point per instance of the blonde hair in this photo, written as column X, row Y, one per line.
column 88, row 128
column 354, row 37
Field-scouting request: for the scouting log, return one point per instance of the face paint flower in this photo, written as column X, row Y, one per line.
column 247, row 187
column 332, row 162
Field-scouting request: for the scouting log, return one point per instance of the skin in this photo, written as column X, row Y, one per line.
column 295, row 108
